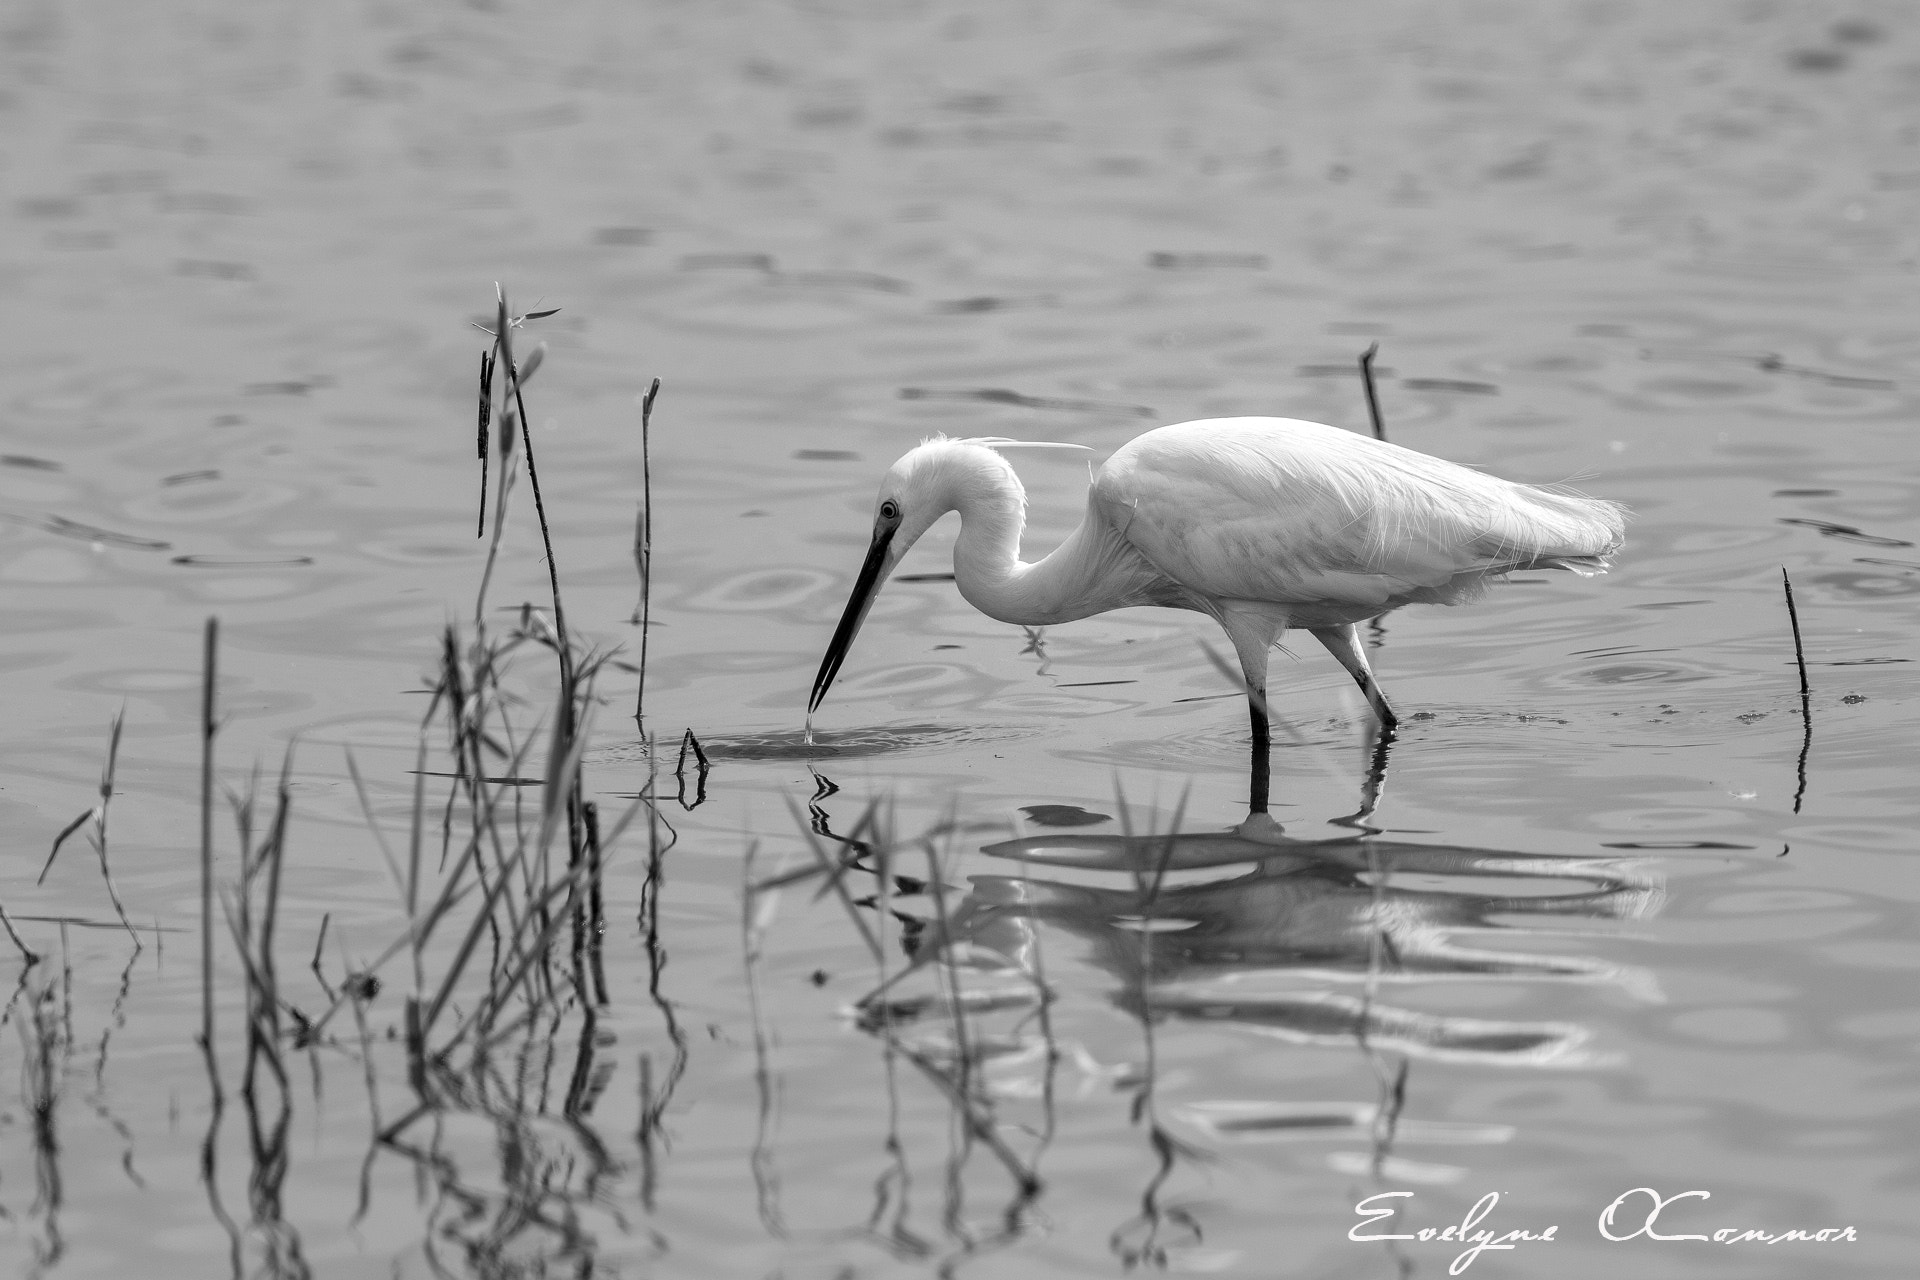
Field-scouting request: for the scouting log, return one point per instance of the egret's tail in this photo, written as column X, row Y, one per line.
column 1585, row 566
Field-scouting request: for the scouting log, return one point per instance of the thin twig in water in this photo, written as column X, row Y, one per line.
column 319, row 944
column 643, row 549
column 27, row 953
column 486, row 417
column 596, row 901
column 509, row 468
column 207, row 729
column 1806, row 691
column 700, row 772
column 516, row 377
column 98, row 836
column 210, row 1144
column 416, row 832
column 373, row 825
column 1373, row 396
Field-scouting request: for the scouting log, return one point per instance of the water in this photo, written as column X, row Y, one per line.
column 1611, row 935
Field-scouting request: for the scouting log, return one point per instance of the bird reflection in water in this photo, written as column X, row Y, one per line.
column 1277, row 914
column 1253, row 928
column 1249, row 929
column 1291, row 938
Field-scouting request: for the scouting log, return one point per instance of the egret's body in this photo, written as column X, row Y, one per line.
column 1261, row 523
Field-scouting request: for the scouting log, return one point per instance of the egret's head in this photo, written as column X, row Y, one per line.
column 941, row 475
column 916, row 491
column 938, row 476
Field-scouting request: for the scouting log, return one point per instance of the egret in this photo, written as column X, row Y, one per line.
column 1260, row 523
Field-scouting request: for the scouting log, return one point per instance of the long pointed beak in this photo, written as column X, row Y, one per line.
column 865, row 588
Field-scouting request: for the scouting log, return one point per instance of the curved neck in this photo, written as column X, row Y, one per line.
column 1092, row 571
column 980, row 485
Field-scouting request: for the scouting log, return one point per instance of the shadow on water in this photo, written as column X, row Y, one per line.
column 1252, row 928
column 1242, row 928
column 794, row 744
column 1235, row 949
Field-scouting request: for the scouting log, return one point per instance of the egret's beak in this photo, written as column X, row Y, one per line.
column 865, row 588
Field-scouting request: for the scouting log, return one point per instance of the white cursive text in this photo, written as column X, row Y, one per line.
column 1462, row 1232
column 1612, row 1221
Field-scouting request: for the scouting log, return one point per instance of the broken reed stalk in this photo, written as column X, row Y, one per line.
column 416, row 833
column 514, row 413
column 1799, row 650
column 596, row 903
column 486, row 418
column 254, row 941
column 274, row 854
column 643, row 550
column 27, row 953
column 1373, row 396
column 701, row 766
column 650, row 892
column 210, row 1144
column 503, row 487
column 207, row 729
column 97, row 837
column 268, row 1123
column 1806, row 691
column 515, row 378
column 100, row 823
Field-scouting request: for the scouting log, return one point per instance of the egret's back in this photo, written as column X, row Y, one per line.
column 1297, row 513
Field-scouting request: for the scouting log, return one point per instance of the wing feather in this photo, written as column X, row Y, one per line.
column 1288, row 511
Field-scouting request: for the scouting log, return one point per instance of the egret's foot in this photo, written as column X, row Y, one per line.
column 1262, row 829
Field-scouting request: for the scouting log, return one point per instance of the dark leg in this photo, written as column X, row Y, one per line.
column 1260, row 770
column 1344, row 644
column 1253, row 633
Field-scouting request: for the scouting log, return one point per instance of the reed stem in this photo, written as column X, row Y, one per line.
column 643, row 551
column 1373, row 396
column 1806, row 691
column 208, row 727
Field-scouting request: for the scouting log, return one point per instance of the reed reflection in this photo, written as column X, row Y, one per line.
column 42, row 1013
column 1245, row 927
column 962, row 1062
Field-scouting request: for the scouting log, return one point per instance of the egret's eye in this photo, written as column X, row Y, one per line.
column 889, row 510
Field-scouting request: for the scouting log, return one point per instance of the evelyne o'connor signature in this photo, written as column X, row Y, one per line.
column 1617, row 1222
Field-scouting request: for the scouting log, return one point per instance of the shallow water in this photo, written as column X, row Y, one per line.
column 1624, row 925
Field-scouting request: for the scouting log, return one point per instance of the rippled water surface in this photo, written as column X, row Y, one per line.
column 1622, row 921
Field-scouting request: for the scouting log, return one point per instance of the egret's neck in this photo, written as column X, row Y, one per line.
column 1092, row 571
column 993, row 513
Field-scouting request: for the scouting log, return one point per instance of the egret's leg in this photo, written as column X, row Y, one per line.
column 1260, row 776
column 1253, row 637
column 1344, row 644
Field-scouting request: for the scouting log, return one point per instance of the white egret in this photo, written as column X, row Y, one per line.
column 1260, row 523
